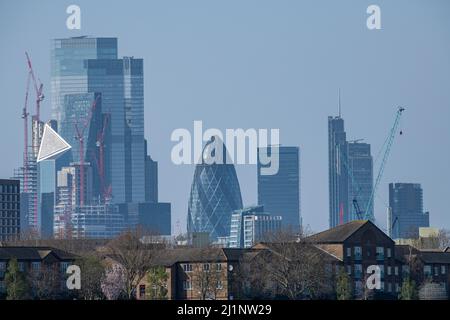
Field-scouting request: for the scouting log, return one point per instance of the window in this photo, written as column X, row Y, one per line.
column 21, row 266
column 187, row 285
column 396, row 271
column 381, row 270
column 142, row 291
column 397, row 287
column 389, row 287
column 443, row 270
column 380, row 253
column 36, row 266
column 349, row 252
column 389, row 252
column 349, row 269
column 405, row 269
column 382, row 286
column 63, row 266
column 187, row 267
column 358, row 271
column 219, row 285
column 218, row 267
column 436, row 270
column 427, row 270
column 357, row 253
column 206, row 266
column 389, row 270
column 2, row 266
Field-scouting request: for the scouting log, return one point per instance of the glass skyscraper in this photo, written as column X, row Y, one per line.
column 337, row 172
column 280, row 193
column 215, row 194
column 361, row 180
column 406, row 213
column 350, row 171
column 84, row 65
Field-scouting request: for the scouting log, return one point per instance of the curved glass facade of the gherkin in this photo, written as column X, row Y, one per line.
column 215, row 194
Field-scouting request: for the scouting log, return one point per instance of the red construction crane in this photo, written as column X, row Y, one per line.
column 25, row 136
column 80, row 138
column 105, row 191
column 37, row 87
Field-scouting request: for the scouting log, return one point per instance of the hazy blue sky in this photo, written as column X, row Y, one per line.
column 262, row 64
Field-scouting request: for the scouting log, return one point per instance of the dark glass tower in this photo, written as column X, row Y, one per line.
column 215, row 194
column 280, row 193
column 82, row 65
column 361, row 180
column 337, row 172
column 406, row 214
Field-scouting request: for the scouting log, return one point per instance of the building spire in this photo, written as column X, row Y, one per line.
column 339, row 102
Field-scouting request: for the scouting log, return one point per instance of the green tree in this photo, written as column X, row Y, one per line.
column 157, row 280
column 408, row 290
column 343, row 286
column 16, row 283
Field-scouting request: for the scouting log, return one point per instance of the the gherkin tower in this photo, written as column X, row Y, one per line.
column 215, row 194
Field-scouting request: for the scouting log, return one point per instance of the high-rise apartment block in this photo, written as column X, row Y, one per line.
column 251, row 225
column 9, row 209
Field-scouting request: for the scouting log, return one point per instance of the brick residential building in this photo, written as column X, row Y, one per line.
column 33, row 259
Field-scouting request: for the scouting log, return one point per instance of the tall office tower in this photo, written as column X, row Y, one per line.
column 9, row 209
column 151, row 178
column 252, row 225
column 90, row 65
column 337, row 172
column 360, row 180
column 215, row 193
column 406, row 213
column 81, row 124
column 280, row 193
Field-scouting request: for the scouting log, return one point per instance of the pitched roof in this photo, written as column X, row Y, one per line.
column 179, row 255
column 32, row 253
column 435, row 257
column 338, row 234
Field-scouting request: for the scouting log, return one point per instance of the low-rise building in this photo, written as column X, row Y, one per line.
column 196, row 274
column 34, row 259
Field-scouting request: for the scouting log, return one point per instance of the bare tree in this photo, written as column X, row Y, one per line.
column 294, row 267
column 133, row 256
column 207, row 279
column 45, row 282
column 443, row 238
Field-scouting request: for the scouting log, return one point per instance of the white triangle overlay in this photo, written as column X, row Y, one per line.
column 52, row 144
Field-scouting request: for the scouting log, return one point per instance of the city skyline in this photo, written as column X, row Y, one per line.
column 369, row 107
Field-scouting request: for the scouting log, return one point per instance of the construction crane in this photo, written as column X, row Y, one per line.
column 37, row 87
column 105, row 191
column 80, row 138
column 388, row 143
column 25, row 136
